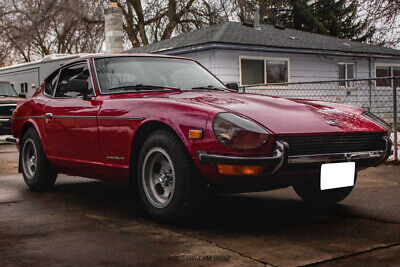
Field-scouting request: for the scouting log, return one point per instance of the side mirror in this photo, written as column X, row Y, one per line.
column 233, row 86
column 22, row 95
column 79, row 86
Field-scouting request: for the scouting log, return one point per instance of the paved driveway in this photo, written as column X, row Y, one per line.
column 87, row 222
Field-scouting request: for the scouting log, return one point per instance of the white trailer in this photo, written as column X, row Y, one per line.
column 27, row 77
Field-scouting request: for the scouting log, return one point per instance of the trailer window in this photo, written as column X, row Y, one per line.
column 24, row 88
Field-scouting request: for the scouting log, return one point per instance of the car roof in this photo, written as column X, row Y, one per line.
column 95, row 56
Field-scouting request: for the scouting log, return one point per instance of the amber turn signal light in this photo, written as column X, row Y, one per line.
column 239, row 170
column 195, row 134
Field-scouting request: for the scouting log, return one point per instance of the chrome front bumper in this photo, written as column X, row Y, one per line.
column 281, row 157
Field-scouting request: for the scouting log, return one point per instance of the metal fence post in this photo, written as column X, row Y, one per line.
column 370, row 95
column 395, row 84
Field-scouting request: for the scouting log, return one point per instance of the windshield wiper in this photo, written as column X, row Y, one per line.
column 209, row 87
column 140, row 87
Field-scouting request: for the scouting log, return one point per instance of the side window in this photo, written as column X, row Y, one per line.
column 252, row 71
column 50, row 84
column 79, row 71
column 346, row 72
column 264, row 71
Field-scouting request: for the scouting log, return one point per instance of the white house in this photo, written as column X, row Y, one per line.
column 237, row 52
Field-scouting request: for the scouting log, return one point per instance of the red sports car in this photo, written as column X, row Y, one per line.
column 172, row 131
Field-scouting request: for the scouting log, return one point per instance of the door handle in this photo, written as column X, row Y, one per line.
column 49, row 115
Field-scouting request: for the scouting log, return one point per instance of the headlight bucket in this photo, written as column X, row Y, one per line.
column 239, row 133
column 378, row 121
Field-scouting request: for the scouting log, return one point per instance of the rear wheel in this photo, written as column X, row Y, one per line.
column 311, row 193
column 169, row 184
column 36, row 170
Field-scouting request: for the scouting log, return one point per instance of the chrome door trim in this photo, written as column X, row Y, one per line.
column 119, row 118
column 28, row 117
column 83, row 117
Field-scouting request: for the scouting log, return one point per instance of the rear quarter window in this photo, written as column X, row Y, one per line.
column 50, row 84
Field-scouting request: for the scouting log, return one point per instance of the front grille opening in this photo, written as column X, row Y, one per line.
column 7, row 110
column 336, row 143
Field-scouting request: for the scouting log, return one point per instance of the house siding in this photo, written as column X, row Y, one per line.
column 309, row 68
column 303, row 67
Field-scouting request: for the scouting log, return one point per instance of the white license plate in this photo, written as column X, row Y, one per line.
column 337, row 175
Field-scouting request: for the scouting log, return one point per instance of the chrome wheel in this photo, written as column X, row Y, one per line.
column 29, row 158
column 158, row 177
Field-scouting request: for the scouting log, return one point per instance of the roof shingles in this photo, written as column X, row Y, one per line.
column 268, row 36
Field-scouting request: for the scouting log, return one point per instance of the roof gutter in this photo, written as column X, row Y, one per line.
column 227, row 46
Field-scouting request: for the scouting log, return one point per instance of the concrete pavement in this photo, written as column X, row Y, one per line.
column 88, row 222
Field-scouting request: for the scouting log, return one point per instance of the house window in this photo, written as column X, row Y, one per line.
column 277, row 71
column 386, row 71
column 264, row 71
column 252, row 71
column 346, row 72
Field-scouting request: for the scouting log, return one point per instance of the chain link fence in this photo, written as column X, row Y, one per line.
column 379, row 95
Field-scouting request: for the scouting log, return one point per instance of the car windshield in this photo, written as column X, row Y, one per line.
column 6, row 89
column 117, row 74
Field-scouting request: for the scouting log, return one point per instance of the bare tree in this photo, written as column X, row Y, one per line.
column 385, row 15
column 154, row 20
column 35, row 28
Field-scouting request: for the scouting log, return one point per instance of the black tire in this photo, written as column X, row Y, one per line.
column 43, row 176
column 311, row 193
column 189, row 187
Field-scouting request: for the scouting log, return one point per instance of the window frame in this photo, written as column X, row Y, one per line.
column 347, row 84
column 98, row 86
column 265, row 59
column 391, row 66
column 57, row 73
column 84, row 61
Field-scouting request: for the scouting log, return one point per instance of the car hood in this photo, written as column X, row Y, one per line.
column 285, row 116
column 10, row 100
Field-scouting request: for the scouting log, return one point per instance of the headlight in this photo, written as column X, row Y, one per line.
column 378, row 121
column 237, row 132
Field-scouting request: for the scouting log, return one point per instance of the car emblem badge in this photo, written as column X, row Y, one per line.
column 333, row 123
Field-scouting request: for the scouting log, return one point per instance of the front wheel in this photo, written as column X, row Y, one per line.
column 169, row 184
column 311, row 193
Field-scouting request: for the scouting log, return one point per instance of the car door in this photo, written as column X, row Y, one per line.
column 71, row 122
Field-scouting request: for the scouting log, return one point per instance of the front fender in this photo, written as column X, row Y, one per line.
column 181, row 128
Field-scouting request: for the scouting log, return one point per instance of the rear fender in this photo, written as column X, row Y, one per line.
column 25, row 126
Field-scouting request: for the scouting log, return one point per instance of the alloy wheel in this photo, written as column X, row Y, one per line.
column 158, row 177
column 29, row 158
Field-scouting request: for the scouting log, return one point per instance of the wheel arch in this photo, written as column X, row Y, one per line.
column 139, row 137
